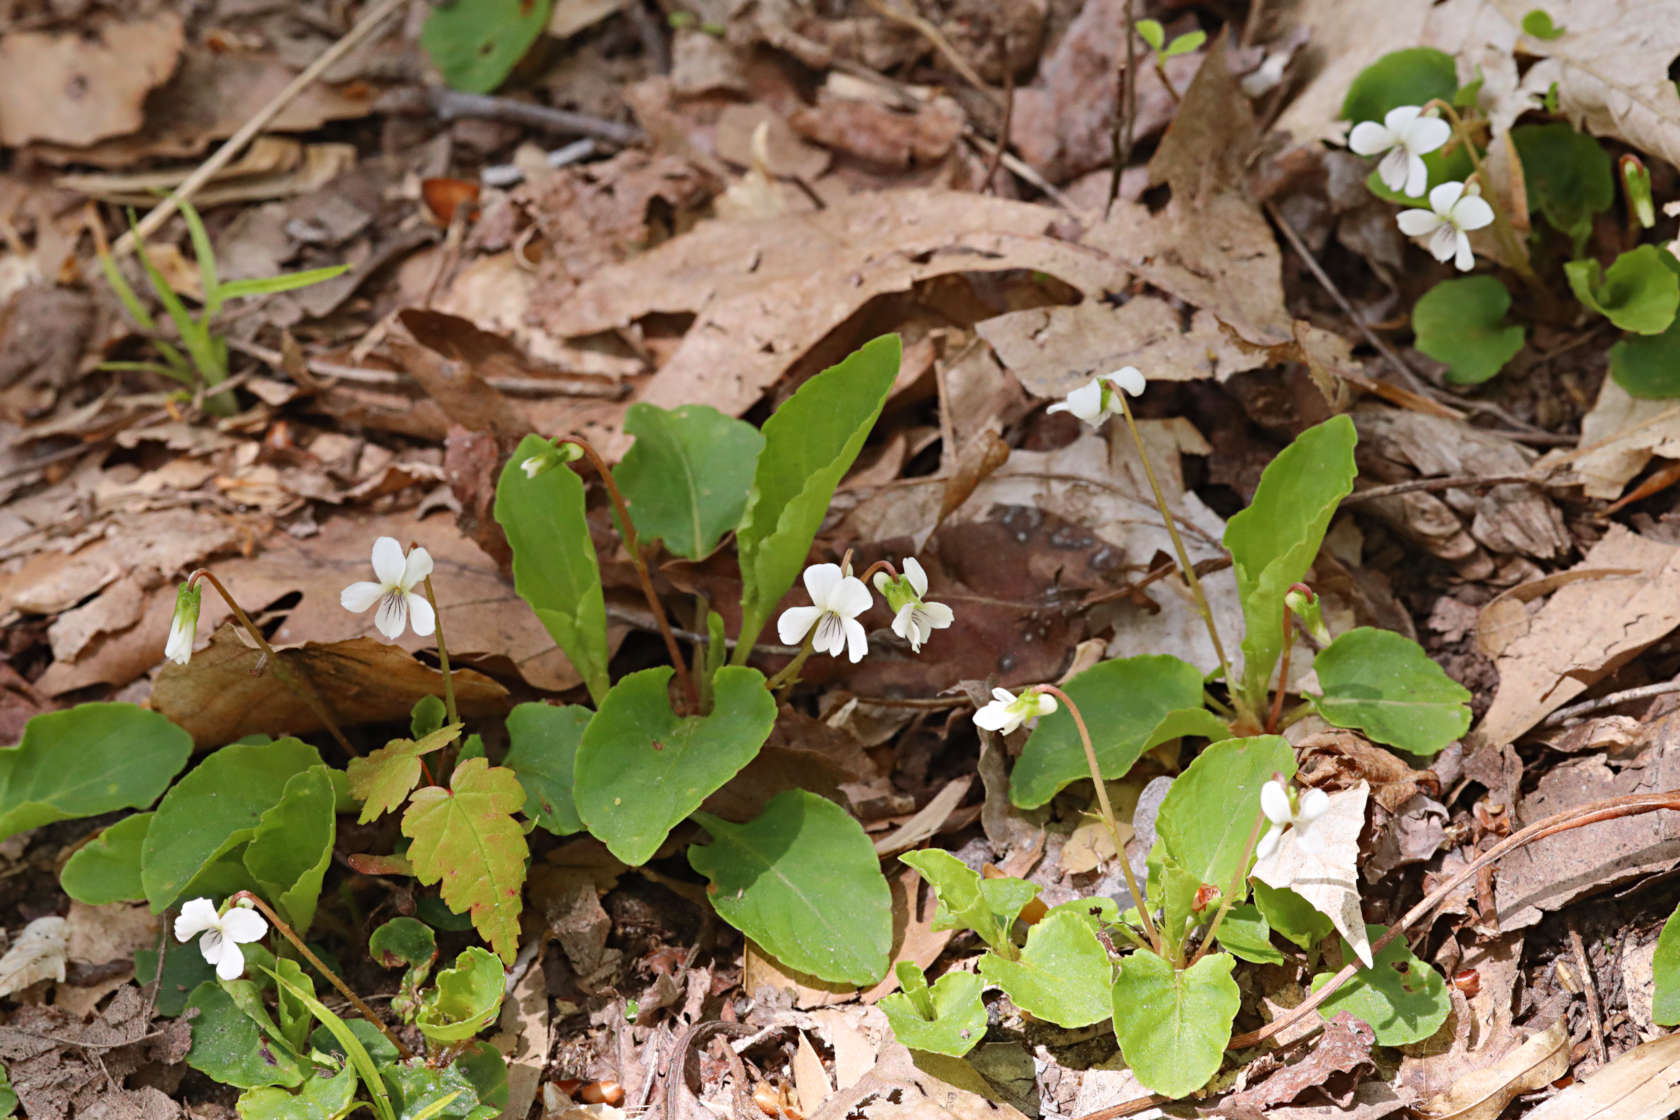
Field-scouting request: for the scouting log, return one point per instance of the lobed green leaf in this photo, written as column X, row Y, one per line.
column 466, row 838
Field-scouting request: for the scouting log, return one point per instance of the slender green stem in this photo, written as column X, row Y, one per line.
column 290, row 678
column 633, row 547
column 1502, row 227
column 790, row 672
column 1230, row 898
column 332, row 977
column 1283, row 670
column 1184, row 563
column 443, row 655
column 1108, row 815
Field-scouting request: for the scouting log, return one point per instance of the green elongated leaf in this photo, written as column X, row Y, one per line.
column 1411, row 76
column 947, row 1018
column 285, row 282
column 1176, row 890
column 1173, row 1024
column 802, row 880
column 1290, row 914
column 685, row 479
column 554, row 564
column 1245, row 933
column 1568, row 174
column 809, row 444
column 466, row 998
column 1665, row 971
column 421, row 1093
column 373, row 1042
column 8, row 1095
column 347, row 1040
column 124, row 757
column 213, row 810
column 989, row 907
column 107, row 868
column 229, row 1046
column 1648, row 366
column 292, row 846
column 295, row 1019
column 1129, row 705
column 1639, row 292
column 1273, row 541
column 1385, row 685
column 466, row 838
column 1062, row 975
column 542, row 749
column 1401, row 996
column 1209, row 812
column 1184, row 44
column 324, row 1095
column 383, row 779
column 475, row 44
column 1462, row 322
column 641, row 768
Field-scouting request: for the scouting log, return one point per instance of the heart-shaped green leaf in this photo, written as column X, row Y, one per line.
column 1462, row 322
column 542, row 749
column 1385, row 685
column 475, row 44
column 465, row 999
column 1274, row 541
column 685, row 479
column 809, row 444
column 802, row 880
column 107, row 868
column 1129, row 705
column 292, row 846
column 989, row 907
column 403, row 941
column 1402, row 998
column 215, row 809
column 235, row 1049
column 124, row 758
column 554, row 564
column 1062, row 975
column 1568, row 175
column 947, row 1018
column 641, row 768
column 319, row 1098
column 1411, row 76
column 1639, row 292
column 1173, row 1024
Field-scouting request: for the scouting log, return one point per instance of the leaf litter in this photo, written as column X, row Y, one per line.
column 667, row 274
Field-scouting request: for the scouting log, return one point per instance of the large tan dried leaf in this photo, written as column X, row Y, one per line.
column 1639, row 1085
column 1587, row 630
column 1620, row 435
column 1482, row 1093
column 1319, row 861
column 86, row 83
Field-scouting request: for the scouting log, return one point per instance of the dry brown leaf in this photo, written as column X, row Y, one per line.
column 1584, row 632
column 1344, row 1048
column 523, row 1039
column 221, row 695
column 1622, row 433
column 924, row 1087
column 37, row 953
column 1319, row 861
column 1482, row 1093
column 83, row 84
column 810, row 1079
column 1639, row 1085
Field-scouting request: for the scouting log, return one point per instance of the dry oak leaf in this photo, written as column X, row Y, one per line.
column 84, row 84
column 466, row 838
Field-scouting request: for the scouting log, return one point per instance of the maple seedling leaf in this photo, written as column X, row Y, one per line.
column 382, row 780
column 1318, row 860
column 465, row 836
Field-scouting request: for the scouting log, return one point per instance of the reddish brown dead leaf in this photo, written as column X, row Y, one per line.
column 1333, row 1066
column 443, row 197
column 876, row 134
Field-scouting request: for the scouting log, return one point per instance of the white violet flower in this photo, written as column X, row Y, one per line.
column 1007, row 711
column 1405, row 135
column 222, row 934
column 395, row 592
column 183, row 628
column 1283, row 809
column 837, row 598
column 914, row 619
column 1453, row 212
column 1094, row 402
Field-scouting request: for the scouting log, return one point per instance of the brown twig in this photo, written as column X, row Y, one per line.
column 1008, row 118
column 450, row 104
column 1452, row 482
column 1611, row 700
column 1590, row 990
column 1125, row 114
column 588, row 384
column 941, row 44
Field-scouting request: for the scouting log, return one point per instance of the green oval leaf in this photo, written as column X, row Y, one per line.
column 1462, row 322
column 1245, row 933
column 948, row 1018
column 403, row 941
column 1568, row 176
column 802, row 880
column 107, row 868
column 542, row 749
column 1402, row 998
column 124, row 758
column 1062, row 975
column 292, row 846
column 1538, row 23
column 1383, row 684
column 554, row 564
column 1648, row 366
column 322, row 1097
column 1405, row 77
column 1274, row 541
column 214, row 809
column 1665, row 971
column 233, row 1048
column 465, row 999
column 472, row 1088
column 809, row 444
column 1129, row 704
column 1208, row 813
column 1173, row 1024
column 685, row 479
column 641, row 768
column 475, row 44
column 1290, row 914
column 1639, row 292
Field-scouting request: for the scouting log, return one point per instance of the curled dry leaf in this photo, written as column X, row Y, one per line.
column 1319, row 861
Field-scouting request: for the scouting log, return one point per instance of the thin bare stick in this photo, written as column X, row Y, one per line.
column 1453, row 482
column 1590, row 990
column 941, row 44
column 449, row 104
column 236, row 143
column 1598, row 704
column 443, row 652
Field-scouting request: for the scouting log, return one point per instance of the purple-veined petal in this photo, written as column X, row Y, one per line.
column 830, row 637
column 1394, row 168
column 937, row 616
column 1443, row 243
column 392, row 614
